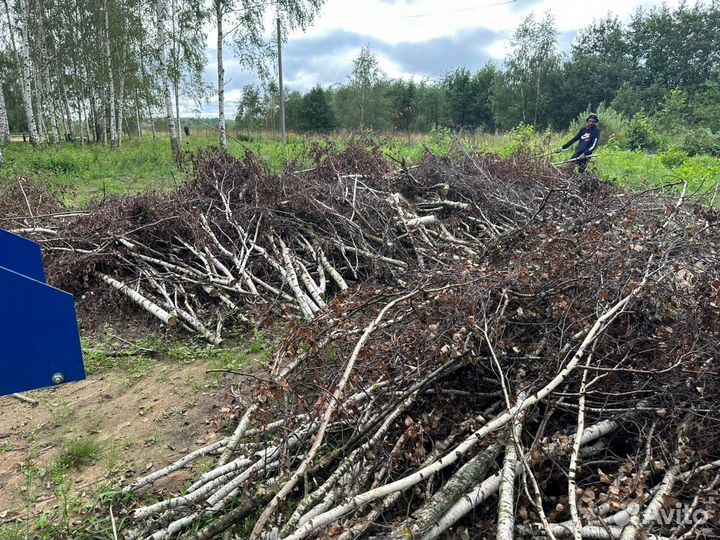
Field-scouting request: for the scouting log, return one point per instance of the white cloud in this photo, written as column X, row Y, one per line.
column 421, row 20
column 404, row 23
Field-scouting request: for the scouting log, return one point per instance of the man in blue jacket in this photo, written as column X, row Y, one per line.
column 589, row 135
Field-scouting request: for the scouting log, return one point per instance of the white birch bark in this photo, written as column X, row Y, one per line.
column 121, row 101
column 327, row 414
column 68, row 115
column 572, row 469
column 176, row 66
column 506, row 499
column 84, row 121
column 151, row 307
column 4, row 125
column 496, row 423
column 121, row 83
column 137, row 116
column 642, row 521
column 45, row 81
column 111, row 81
column 221, row 74
column 36, row 81
column 26, row 71
column 152, row 123
column 160, row 9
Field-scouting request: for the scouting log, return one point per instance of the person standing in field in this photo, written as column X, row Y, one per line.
column 589, row 136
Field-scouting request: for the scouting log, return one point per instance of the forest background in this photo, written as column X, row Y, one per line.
column 117, row 70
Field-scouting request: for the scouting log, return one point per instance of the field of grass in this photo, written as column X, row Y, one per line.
column 89, row 172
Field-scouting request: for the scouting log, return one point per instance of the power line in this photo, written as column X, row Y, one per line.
column 448, row 11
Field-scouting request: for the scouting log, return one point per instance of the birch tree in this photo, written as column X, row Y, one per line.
column 366, row 74
column 111, row 82
column 26, row 67
column 523, row 93
column 252, row 47
column 161, row 14
column 220, row 7
column 4, row 125
column 47, row 55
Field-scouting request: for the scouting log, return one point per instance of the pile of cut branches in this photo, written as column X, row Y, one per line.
column 480, row 347
column 239, row 242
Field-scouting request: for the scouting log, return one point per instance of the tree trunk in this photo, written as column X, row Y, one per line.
column 106, row 125
column 137, row 116
column 121, row 76
column 95, row 121
column 177, row 110
column 162, row 66
column 152, row 122
column 221, row 75
column 39, row 109
column 25, row 72
column 537, row 99
column 121, row 100
column 45, row 80
column 68, row 114
column 141, row 47
column 4, row 125
column 83, row 121
column 176, row 70
column 362, row 108
column 111, row 82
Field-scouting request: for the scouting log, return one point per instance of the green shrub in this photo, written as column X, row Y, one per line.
column 674, row 112
column 522, row 139
column 702, row 142
column 441, row 138
column 673, row 158
column 701, row 172
column 642, row 135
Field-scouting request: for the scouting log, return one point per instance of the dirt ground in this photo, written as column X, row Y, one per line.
column 132, row 421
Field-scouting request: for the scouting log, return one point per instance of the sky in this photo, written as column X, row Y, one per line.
column 418, row 39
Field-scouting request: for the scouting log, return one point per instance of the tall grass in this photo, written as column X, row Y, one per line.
column 89, row 172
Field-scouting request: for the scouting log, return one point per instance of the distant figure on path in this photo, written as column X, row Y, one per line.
column 589, row 135
column 186, row 129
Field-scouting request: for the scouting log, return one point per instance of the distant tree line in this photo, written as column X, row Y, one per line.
column 98, row 70
column 663, row 64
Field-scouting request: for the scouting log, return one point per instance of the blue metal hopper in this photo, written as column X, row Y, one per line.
column 39, row 336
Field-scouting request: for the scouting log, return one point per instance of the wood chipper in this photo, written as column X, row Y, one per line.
column 39, row 336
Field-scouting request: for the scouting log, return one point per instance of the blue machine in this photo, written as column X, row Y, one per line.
column 39, row 336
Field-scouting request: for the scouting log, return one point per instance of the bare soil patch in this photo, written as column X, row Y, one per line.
column 136, row 420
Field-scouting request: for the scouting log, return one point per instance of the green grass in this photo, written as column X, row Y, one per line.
column 91, row 172
column 638, row 171
column 12, row 531
column 79, row 452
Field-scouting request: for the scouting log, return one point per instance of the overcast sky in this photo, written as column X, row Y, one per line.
column 420, row 39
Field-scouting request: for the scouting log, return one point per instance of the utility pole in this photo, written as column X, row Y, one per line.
column 282, row 92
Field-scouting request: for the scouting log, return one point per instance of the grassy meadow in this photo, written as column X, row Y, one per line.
column 89, row 172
